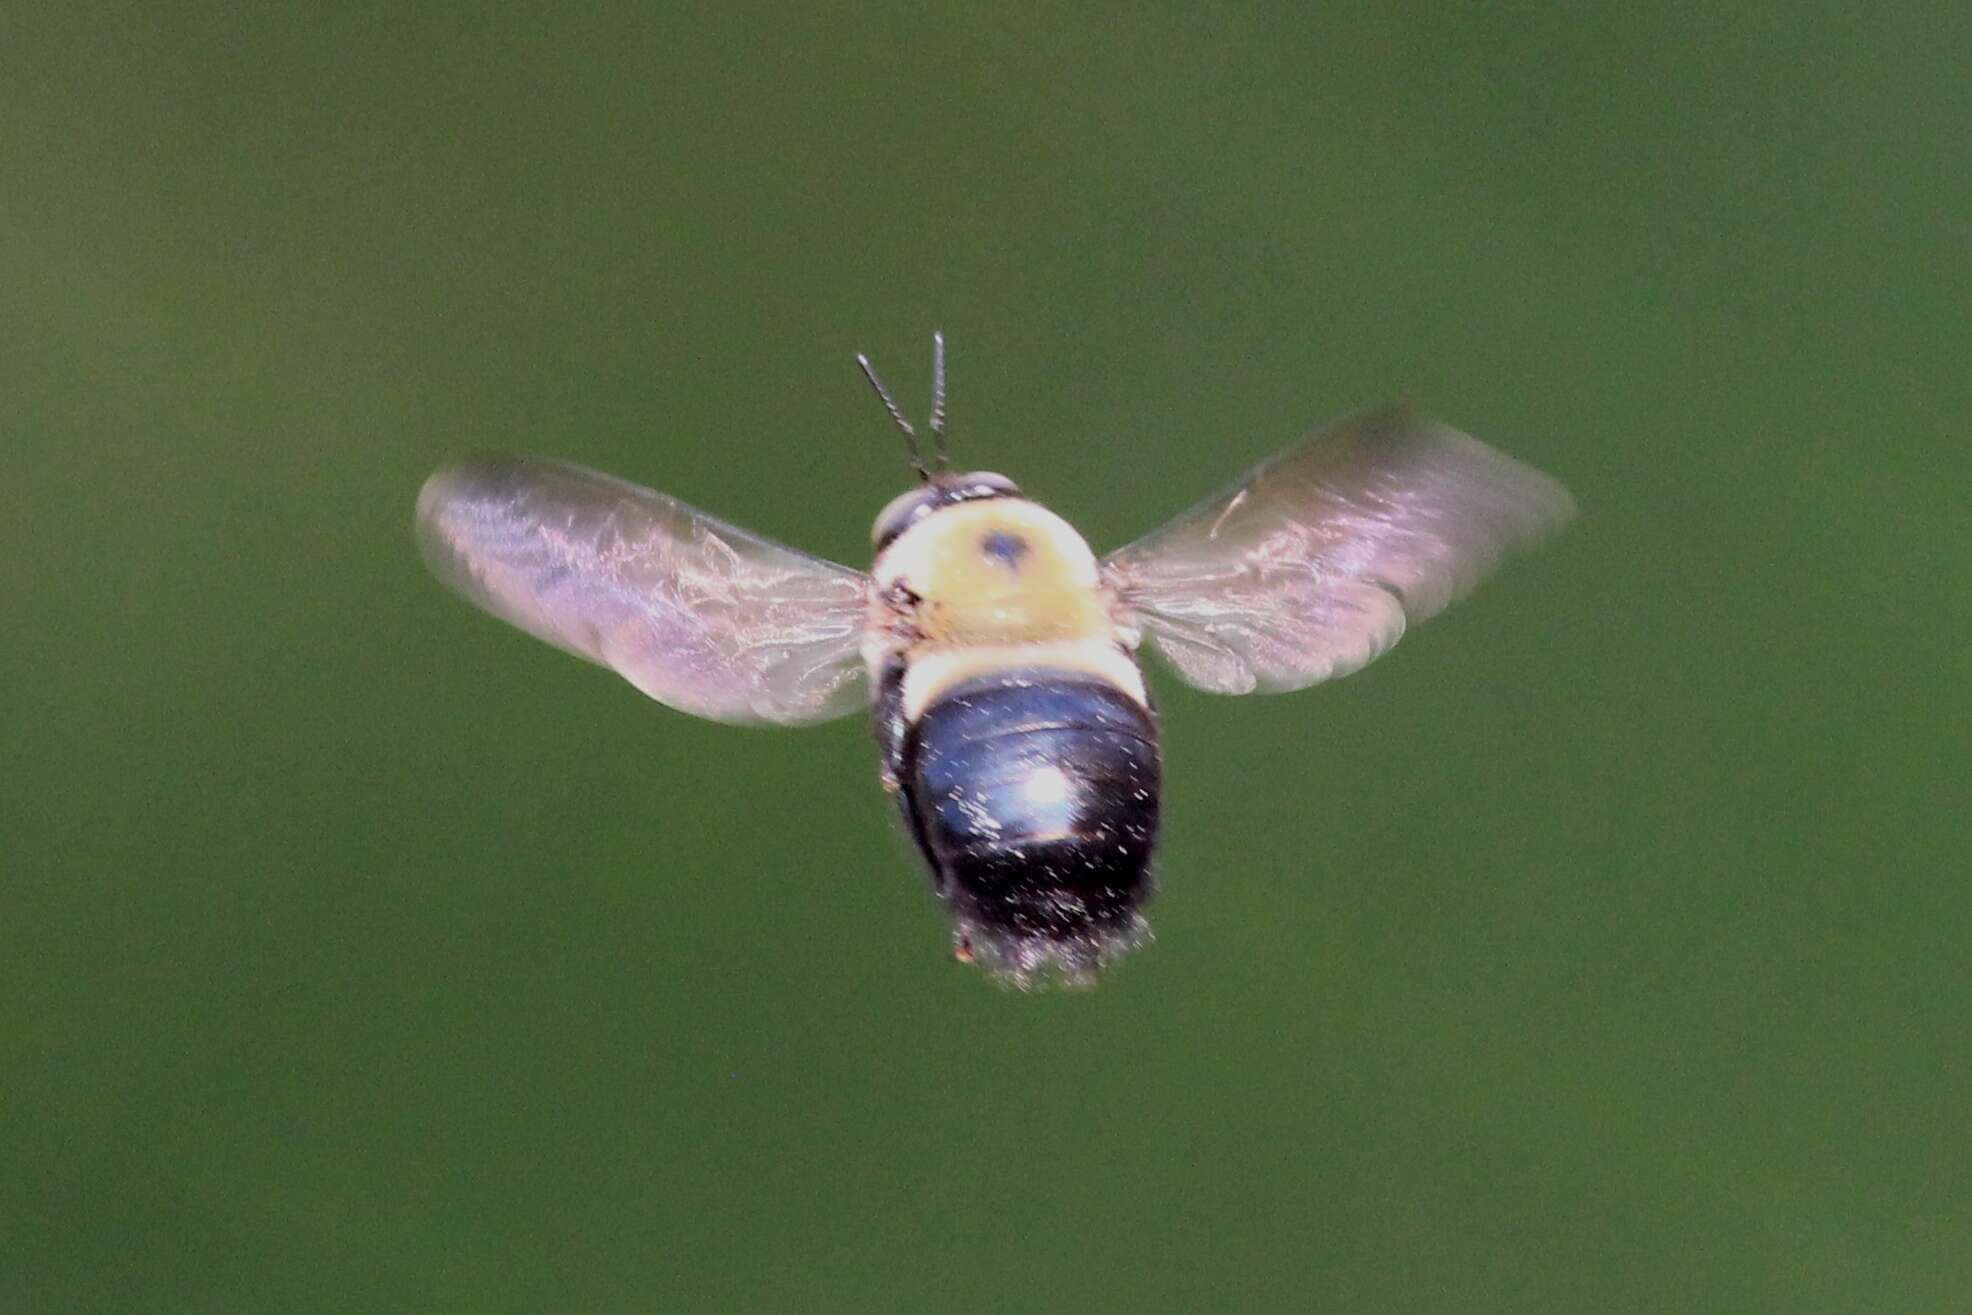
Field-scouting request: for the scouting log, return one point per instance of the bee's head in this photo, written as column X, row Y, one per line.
column 943, row 489
column 937, row 485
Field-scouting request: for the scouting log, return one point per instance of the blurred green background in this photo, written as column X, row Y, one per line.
column 1605, row 948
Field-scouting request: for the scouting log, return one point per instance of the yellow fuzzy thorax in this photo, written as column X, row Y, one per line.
column 1000, row 571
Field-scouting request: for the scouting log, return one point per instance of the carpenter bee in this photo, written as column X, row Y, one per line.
column 995, row 650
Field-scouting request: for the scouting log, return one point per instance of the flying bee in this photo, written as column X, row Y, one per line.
column 996, row 651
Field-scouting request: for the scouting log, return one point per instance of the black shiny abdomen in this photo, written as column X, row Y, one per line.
column 1033, row 794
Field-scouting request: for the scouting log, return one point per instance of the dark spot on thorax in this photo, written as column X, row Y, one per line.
column 1006, row 549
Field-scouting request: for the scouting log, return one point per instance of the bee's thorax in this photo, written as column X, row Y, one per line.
column 1001, row 571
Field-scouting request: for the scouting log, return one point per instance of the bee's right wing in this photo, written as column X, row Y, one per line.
column 1317, row 559
column 696, row 613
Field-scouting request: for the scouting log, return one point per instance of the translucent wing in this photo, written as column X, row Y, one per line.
column 694, row 612
column 1312, row 564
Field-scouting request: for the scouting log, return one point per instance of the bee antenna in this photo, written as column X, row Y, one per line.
column 937, row 422
column 903, row 425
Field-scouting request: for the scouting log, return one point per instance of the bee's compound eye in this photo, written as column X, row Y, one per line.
column 985, row 484
column 903, row 511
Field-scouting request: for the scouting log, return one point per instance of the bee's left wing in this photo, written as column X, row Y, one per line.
column 1312, row 565
column 696, row 613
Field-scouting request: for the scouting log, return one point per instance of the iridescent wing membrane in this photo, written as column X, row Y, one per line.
column 696, row 613
column 1312, row 565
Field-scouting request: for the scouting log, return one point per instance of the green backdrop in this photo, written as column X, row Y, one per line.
column 1604, row 948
